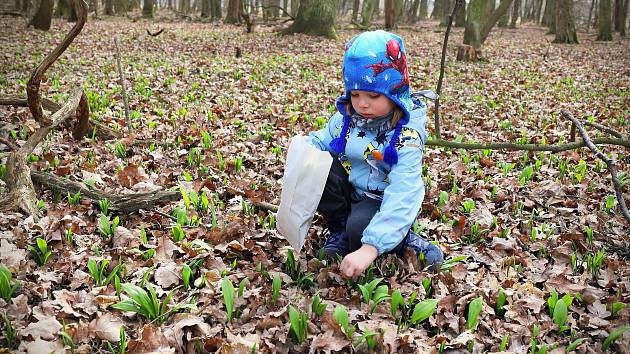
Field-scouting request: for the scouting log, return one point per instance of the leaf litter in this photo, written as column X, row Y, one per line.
column 218, row 126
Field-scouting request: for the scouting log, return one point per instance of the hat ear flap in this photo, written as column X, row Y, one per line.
column 391, row 156
column 338, row 144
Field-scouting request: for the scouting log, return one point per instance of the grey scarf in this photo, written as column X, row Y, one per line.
column 377, row 124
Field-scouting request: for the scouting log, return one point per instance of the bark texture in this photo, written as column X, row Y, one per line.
column 43, row 16
column 565, row 22
column 605, row 25
column 315, row 17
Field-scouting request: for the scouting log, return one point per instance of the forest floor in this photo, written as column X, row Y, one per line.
column 523, row 232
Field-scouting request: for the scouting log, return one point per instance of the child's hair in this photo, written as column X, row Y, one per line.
column 398, row 113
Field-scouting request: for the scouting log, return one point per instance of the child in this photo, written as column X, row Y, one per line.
column 374, row 190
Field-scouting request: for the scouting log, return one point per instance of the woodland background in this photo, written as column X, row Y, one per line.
column 535, row 238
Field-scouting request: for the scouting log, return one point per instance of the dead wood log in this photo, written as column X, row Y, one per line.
column 610, row 163
column 20, row 193
column 102, row 131
column 122, row 203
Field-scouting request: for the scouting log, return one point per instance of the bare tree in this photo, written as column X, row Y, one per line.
column 390, row 14
column 516, row 10
column 605, row 25
column 233, row 12
column 43, row 16
column 315, row 17
column 478, row 26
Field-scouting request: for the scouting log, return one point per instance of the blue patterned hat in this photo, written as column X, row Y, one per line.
column 375, row 61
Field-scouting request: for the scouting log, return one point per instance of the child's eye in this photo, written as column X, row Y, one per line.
column 375, row 95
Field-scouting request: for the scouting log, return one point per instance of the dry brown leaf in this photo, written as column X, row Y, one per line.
column 106, row 327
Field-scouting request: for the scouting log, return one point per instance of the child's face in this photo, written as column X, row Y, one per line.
column 370, row 104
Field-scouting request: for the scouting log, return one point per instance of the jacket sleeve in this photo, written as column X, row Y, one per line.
column 402, row 200
column 322, row 138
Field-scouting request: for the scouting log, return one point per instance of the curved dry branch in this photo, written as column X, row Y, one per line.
column 527, row 147
column 102, row 130
column 32, row 88
column 610, row 163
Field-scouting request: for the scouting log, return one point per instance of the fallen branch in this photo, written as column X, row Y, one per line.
column 11, row 145
column 32, row 88
column 102, row 131
column 125, row 204
column 605, row 129
column 610, row 163
column 156, row 33
column 527, row 147
column 20, row 191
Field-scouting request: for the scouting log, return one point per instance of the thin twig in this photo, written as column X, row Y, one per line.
column 527, row 147
column 610, row 163
column 11, row 145
column 438, row 131
column 605, row 129
column 121, row 75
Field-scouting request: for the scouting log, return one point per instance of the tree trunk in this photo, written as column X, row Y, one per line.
column 413, row 16
column 43, row 16
column 460, row 16
column 446, row 11
column 315, row 17
column 120, row 6
column 72, row 13
column 478, row 27
column 620, row 15
column 355, row 10
column 438, row 9
column 516, row 10
column 367, row 12
column 590, row 16
column 503, row 21
column 565, row 22
column 233, row 15
column 109, row 7
column 62, row 9
column 25, row 6
column 147, row 9
column 295, row 4
column 423, row 12
column 205, row 8
column 549, row 19
column 390, row 14
column 605, row 26
column 216, row 9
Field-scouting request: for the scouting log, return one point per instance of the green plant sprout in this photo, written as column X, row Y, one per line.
column 474, row 309
column 340, row 315
column 147, row 304
column 613, row 336
column 9, row 331
column 97, row 270
column 372, row 293
column 122, row 346
column 227, row 289
column 120, row 150
column 275, row 285
column 7, row 286
column 178, row 233
column 40, row 251
column 467, row 206
column 298, row 325
column 103, row 205
column 106, row 227
column 74, row 199
column 317, row 306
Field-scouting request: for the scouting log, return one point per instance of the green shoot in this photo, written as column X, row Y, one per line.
column 40, row 251
column 275, row 289
column 227, row 289
column 7, row 287
column 98, row 272
column 341, row 317
column 298, row 325
column 423, row 310
column 106, row 227
column 147, row 304
column 474, row 309
column 317, row 306
column 614, row 336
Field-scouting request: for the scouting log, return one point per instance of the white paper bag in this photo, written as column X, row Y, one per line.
column 305, row 173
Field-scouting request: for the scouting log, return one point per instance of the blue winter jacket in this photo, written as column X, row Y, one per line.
column 400, row 187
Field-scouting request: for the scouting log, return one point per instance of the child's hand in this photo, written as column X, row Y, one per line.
column 356, row 262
